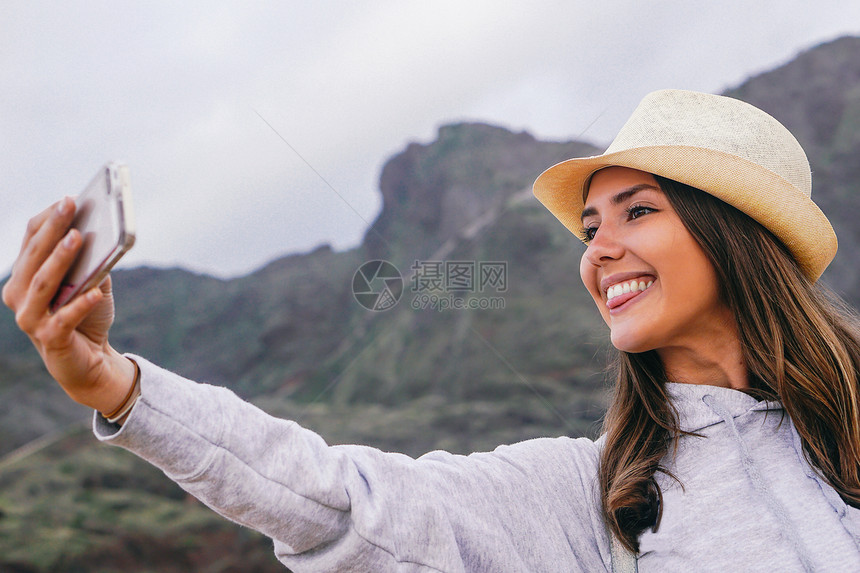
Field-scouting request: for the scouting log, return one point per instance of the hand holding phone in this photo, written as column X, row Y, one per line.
column 72, row 340
column 105, row 218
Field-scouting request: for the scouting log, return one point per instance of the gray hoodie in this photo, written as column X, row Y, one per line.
column 747, row 499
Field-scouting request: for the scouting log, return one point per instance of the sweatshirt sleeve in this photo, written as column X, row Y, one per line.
column 530, row 506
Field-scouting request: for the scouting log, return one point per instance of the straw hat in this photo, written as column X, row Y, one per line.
column 723, row 146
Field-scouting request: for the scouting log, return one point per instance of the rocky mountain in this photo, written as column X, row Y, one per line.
column 522, row 357
column 434, row 193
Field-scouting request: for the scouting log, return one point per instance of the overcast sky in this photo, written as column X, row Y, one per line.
column 254, row 129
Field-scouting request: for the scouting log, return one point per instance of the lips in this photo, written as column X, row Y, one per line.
column 620, row 291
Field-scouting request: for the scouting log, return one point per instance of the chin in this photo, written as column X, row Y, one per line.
column 628, row 342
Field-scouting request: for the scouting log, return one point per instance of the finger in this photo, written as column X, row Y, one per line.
column 34, row 224
column 17, row 283
column 47, row 280
column 62, row 325
column 43, row 232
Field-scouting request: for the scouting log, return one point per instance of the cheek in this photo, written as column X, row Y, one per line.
column 694, row 287
column 588, row 275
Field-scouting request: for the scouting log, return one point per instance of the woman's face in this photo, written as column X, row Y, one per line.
column 650, row 279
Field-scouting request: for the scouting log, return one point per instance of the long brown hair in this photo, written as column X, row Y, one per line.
column 801, row 345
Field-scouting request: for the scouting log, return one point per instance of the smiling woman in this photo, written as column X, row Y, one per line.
column 732, row 442
column 641, row 240
column 715, row 286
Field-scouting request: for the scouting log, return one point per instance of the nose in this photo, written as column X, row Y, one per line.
column 604, row 247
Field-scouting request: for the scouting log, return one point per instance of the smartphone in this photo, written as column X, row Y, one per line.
column 105, row 218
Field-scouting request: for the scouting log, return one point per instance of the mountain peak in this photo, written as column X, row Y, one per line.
column 432, row 192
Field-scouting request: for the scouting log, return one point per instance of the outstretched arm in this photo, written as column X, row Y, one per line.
column 526, row 507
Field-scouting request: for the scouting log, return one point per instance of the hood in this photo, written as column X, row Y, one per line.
column 694, row 414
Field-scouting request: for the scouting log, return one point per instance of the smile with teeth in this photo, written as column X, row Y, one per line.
column 627, row 287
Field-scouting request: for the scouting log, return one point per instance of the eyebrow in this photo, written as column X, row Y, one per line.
column 620, row 197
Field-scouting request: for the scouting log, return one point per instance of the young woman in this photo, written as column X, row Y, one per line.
column 732, row 442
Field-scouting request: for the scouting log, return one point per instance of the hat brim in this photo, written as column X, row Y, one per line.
column 777, row 204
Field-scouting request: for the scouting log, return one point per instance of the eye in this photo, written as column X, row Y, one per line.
column 587, row 233
column 636, row 211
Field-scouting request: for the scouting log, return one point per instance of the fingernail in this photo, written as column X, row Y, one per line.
column 69, row 241
column 63, row 206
